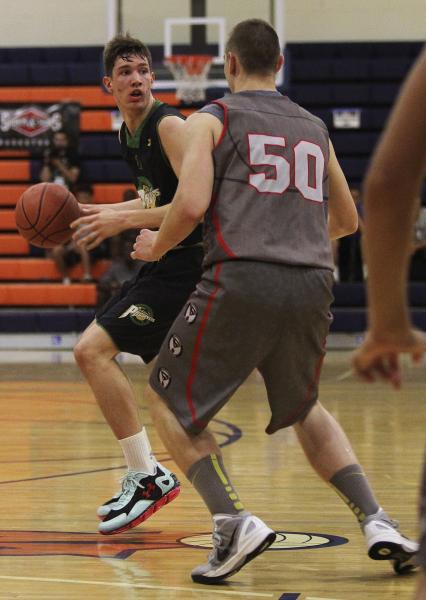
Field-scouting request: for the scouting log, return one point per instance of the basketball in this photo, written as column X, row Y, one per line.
column 43, row 214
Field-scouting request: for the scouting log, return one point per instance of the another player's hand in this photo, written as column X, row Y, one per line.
column 379, row 357
column 144, row 246
column 96, row 225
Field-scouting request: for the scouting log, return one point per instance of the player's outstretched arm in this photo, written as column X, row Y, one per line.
column 100, row 224
column 390, row 192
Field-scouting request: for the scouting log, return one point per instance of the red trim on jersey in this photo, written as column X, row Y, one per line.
column 197, row 347
column 225, row 120
column 216, row 225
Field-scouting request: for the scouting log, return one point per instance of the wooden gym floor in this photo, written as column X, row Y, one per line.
column 59, row 461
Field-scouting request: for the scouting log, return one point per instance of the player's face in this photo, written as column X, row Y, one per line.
column 131, row 83
column 60, row 140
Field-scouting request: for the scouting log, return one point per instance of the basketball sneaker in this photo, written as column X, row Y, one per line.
column 140, row 497
column 237, row 539
column 385, row 542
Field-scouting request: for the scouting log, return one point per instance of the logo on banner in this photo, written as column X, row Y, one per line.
column 30, row 127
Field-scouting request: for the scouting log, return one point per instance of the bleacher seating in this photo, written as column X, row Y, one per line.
column 321, row 76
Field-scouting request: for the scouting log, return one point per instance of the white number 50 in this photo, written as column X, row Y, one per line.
column 308, row 159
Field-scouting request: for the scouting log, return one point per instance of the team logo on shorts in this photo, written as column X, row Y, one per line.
column 175, row 345
column 164, row 377
column 140, row 314
column 191, row 313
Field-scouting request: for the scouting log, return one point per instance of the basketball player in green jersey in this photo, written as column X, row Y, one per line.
column 137, row 319
column 261, row 171
column 391, row 189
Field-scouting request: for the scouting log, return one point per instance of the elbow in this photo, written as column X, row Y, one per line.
column 192, row 212
column 352, row 224
column 347, row 226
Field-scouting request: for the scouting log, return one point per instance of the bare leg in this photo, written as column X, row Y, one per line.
column 95, row 353
column 185, row 449
column 324, row 442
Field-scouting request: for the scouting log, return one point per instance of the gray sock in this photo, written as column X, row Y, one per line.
column 352, row 486
column 211, row 481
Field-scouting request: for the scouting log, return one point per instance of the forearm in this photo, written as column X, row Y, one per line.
column 135, row 204
column 176, row 226
column 387, row 247
column 146, row 218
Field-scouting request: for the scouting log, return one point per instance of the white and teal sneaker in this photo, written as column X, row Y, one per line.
column 237, row 539
column 140, row 497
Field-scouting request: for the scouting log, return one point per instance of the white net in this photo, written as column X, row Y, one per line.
column 190, row 72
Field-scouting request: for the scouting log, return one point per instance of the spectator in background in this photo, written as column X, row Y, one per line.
column 348, row 254
column 68, row 255
column 61, row 163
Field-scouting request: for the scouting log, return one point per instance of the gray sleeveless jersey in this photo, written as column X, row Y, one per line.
column 270, row 192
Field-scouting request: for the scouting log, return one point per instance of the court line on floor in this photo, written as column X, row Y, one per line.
column 316, row 598
column 342, row 377
column 197, row 590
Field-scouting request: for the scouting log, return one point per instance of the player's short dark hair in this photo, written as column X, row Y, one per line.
column 256, row 44
column 123, row 46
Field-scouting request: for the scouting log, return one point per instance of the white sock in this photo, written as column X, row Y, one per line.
column 138, row 454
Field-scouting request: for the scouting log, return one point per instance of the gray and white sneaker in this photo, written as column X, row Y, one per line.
column 237, row 539
column 385, row 542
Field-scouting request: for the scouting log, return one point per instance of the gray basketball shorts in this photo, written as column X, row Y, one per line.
column 422, row 549
column 245, row 315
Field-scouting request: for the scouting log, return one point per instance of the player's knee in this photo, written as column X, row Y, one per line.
column 85, row 352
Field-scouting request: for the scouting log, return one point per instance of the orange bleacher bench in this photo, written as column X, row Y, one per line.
column 15, row 170
column 47, row 294
column 43, row 269
column 104, row 193
column 13, row 244
column 101, row 120
column 7, row 219
column 85, row 95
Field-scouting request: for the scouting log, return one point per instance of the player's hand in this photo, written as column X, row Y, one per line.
column 379, row 358
column 143, row 248
column 94, row 226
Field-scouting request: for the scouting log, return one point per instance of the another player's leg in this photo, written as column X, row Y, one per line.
column 238, row 536
column 148, row 485
column 330, row 453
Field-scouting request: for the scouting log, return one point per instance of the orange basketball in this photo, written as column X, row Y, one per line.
column 43, row 214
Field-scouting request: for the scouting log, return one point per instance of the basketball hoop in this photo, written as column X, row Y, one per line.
column 190, row 72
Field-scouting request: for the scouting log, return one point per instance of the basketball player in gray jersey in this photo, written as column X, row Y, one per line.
column 256, row 167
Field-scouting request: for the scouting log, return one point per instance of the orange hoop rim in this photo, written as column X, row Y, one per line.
column 194, row 63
